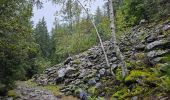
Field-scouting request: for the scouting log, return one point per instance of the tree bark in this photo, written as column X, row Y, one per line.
column 98, row 35
column 114, row 41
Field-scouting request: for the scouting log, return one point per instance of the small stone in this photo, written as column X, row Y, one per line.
column 166, row 27
column 140, row 47
column 98, row 85
column 97, row 78
column 134, row 98
column 114, row 66
column 102, row 71
column 113, row 59
column 98, row 75
column 67, row 60
column 83, row 95
column 143, row 21
column 92, row 81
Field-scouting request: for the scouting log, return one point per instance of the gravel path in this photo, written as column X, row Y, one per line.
column 33, row 93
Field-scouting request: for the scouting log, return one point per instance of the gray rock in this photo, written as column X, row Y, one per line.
column 97, row 78
column 67, row 60
column 114, row 66
column 134, row 98
column 10, row 98
column 83, row 95
column 92, row 81
column 140, row 47
column 89, row 64
column 156, row 53
column 98, row 85
column 48, row 70
column 98, row 75
column 156, row 60
column 166, row 27
column 77, row 82
column 102, row 71
column 61, row 72
column 151, row 38
column 113, row 59
column 156, row 44
column 143, row 21
column 83, row 73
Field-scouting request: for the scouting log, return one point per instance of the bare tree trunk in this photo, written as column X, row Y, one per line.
column 116, row 47
column 101, row 43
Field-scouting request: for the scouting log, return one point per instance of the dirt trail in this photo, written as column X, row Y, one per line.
column 27, row 92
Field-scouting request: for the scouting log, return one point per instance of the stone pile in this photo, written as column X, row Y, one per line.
column 82, row 71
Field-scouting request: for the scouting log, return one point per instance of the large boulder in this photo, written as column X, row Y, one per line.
column 157, row 53
column 159, row 43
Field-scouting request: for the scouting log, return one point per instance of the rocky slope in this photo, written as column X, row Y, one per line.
column 84, row 74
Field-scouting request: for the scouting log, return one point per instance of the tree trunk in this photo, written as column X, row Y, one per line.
column 98, row 35
column 114, row 41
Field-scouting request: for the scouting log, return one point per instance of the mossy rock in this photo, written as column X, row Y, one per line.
column 55, row 90
column 76, row 61
column 31, row 83
column 140, row 56
column 77, row 91
column 144, row 76
column 92, row 90
column 121, row 94
column 12, row 93
column 119, row 74
column 137, row 90
column 135, row 64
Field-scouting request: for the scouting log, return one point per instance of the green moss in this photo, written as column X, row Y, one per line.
column 136, row 65
column 31, row 83
column 121, row 94
column 12, row 93
column 140, row 56
column 119, row 74
column 55, row 90
column 137, row 90
column 92, row 90
column 135, row 74
column 95, row 98
column 77, row 91
column 145, row 76
column 165, row 84
column 77, row 61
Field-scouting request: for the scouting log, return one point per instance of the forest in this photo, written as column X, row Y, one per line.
column 120, row 52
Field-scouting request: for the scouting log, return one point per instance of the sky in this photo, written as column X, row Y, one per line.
column 48, row 11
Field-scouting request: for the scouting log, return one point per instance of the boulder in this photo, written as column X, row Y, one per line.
column 158, row 43
column 157, row 53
